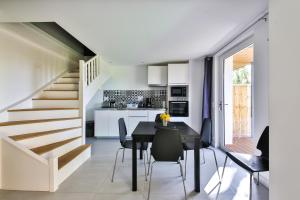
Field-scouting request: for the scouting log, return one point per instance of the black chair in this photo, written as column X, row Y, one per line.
column 166, row 147
column 205, row 143
column 127, row 144
column 158, row 119
column 251, row 163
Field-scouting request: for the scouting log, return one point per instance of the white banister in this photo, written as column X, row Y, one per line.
column 82, row 85
column 89, row 73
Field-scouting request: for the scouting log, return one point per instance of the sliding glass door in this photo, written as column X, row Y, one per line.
column 236, row 99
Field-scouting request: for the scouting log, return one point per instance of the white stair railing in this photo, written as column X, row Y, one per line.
column 89, row 72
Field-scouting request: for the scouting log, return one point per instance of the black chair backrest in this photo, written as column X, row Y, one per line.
column 206, row 132
column 263, row 143
column 167, row 145
column 158, row 119
column 122, row 130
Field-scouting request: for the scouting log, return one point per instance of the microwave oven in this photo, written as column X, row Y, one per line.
column 178, row 91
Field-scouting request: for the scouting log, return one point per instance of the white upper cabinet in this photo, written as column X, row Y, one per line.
column 178, row 74
column 158, row 75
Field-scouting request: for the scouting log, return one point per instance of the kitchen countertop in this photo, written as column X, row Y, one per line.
column 130, row 109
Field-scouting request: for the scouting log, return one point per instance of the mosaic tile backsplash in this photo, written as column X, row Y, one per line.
column 134, row 96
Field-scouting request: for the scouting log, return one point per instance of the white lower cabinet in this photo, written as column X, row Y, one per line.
column 152, row 114
column 181, row 119
column 114, row 122
column 106, row 121
column 133, row 122
column 101, row 123
column 134, row 117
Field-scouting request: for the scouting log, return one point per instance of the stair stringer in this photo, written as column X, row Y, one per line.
column 21, row 168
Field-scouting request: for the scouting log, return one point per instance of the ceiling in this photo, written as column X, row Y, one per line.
column 243, row 57
column 132, row 32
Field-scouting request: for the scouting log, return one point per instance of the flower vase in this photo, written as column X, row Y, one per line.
column 165, row 123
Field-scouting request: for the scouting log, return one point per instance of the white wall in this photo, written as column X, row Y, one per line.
column 28, row 60
column 284, row 99
column 196, row 92
column 261, row 78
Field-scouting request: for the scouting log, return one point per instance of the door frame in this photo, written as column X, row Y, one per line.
column 220, row 100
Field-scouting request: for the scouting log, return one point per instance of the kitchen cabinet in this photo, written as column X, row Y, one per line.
column 114, row 122
column 106, row 121
column 181, row 119
column 133, row 122
column 178, row 74
column 134, row 117
column 158, row 75
column 101, row 123
column 152, row 114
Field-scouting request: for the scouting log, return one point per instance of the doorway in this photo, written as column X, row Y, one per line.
column 237, row 102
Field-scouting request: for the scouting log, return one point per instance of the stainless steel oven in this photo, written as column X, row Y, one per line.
column 179, row 108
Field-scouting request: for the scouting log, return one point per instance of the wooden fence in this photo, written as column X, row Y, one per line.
column 242, row 110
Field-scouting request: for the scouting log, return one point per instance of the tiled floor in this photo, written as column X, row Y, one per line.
column 92, row 180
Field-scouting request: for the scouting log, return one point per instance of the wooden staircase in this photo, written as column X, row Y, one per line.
column 42, row 145
column 51, row 132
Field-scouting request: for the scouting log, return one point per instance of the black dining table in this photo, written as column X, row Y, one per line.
column 145, row 132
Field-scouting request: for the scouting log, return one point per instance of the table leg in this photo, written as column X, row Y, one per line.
column 197, row 165
column 141, row 152
column 134, row 166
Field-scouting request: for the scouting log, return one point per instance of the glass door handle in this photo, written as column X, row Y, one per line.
column 221, row 105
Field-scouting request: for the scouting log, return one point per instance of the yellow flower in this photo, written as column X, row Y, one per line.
column 165, row 116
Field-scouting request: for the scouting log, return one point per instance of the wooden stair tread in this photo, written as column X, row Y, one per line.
column 55, row 99
column 66, row 158
column 61, row 90
column 40, row 109
column 38, row 134
column 49, row 147
column 9, row 123
column 66, row 83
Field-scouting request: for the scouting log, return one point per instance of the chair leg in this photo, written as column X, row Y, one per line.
column 224, row 168
column 112, row 177
column 145, row 165
column 123, row 155
column 149, row 165
column 258, row 178
column 149, row 188
column 185, row 164
column 216, row 162
column 250, row 194
column 203, row 156
column 147, row 156
column 183, row 179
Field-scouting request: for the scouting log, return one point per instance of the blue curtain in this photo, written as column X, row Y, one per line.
column 207, row 88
